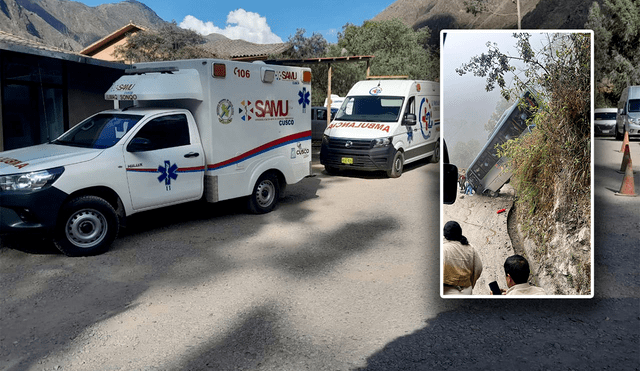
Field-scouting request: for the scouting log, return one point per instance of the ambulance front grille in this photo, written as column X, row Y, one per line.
column 342, row 143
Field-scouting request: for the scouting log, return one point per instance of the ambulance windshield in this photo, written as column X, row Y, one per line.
column 370, row 108
column 99, row 131
column 634, row 105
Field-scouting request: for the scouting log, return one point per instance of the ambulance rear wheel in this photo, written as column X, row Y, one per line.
column 435, row 157
column 396, row 166
column 87, row 226
column 265, row 194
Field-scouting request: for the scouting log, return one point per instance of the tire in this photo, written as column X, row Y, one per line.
column 87, row 226
column 397, row 165
column 618, row 135
column 266, row 193
column 435, row 157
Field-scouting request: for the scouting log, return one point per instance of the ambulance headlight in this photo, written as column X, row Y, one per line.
column 30, row 181
column 325, row 139
column 381, row 142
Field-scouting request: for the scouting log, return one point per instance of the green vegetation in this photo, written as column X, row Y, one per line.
column 396, row 47
column 616, row 28
column 551, row 165
column 170, row 42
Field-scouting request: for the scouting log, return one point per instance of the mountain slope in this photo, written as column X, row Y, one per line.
column 71, row 25
column 500, row 14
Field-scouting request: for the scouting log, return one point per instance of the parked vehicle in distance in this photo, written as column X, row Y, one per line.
column 488, row 172
column 319, row 121
column 336, row 102
column 604, row 121
column 628, row 119
column 180, row 131
column 383, row 125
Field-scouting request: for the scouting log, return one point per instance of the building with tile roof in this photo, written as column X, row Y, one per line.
column 104, row 48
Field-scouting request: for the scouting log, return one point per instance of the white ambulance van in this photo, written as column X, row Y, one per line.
column 628, row 119
column 185, row 130
column 382, row 125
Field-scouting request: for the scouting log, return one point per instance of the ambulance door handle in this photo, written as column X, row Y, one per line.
column 192, row 154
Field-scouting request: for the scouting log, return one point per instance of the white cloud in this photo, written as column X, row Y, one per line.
column 241, row 24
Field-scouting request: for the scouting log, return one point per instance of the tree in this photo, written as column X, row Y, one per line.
column 305, row 47
column 170, row 42
column 398, row 49
column 616, row 28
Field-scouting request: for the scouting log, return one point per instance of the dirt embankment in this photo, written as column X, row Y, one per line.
column 561, row 267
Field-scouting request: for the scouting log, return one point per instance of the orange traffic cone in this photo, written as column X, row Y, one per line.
column 625, row 141
column 625, row 159
column 628, row 187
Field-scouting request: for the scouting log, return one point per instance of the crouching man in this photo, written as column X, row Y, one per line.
column 516, row 268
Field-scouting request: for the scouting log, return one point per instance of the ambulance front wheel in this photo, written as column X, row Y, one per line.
column 265, row 194
column 87, row 226
column 397, row 165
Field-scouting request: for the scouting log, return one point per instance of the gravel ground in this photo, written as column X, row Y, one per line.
column 344, row 275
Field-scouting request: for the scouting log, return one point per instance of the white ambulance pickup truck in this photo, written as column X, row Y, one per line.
column 382, row 125
column 192, row 129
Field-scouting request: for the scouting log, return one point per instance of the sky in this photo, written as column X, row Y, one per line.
column 262, row 21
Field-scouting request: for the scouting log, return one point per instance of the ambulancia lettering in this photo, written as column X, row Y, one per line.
column 360, row 125
column 13, row 162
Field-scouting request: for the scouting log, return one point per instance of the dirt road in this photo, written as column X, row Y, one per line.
column 487, row 231
column 343, row 275
column 341, row 268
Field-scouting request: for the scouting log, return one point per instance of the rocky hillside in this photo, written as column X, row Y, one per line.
column 500, row 14
column 71, row 25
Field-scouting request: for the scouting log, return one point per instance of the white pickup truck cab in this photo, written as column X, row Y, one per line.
column 193, row 129
column 382, row 125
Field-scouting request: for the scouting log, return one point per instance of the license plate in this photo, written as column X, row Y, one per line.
column 347, row 160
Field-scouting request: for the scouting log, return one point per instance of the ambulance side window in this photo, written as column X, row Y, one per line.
column 166, row 132
column 411, row 106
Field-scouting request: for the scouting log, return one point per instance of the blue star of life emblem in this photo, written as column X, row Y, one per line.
column 304, row 99
column 167, row 172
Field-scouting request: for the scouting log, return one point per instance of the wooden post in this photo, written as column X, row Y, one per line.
column 518, row 6
column 329, row 96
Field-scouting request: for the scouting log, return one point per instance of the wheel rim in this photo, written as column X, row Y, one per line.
column 398, row 164
column 265, row 193
column 86, row 228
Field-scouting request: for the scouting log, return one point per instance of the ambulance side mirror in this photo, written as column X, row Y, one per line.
column 449, row 177
column 409, row 119
column 449, row 183
column 139, row 145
